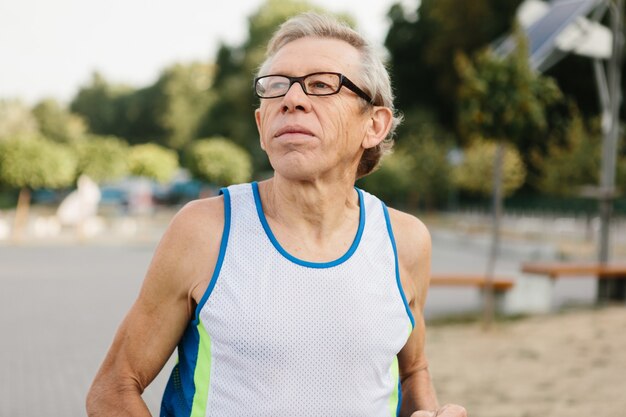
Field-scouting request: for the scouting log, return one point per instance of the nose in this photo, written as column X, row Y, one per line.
column 296, row 99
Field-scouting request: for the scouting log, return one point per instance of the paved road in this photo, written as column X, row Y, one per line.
column 60, row 306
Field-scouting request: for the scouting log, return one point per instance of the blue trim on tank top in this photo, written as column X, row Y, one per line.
column 395, row 253
column 298, row 261
column 220, row 258
column 399, row 406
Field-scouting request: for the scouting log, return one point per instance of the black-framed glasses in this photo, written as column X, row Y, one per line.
column 316, row 84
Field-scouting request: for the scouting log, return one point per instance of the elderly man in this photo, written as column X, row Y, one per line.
column 296, row 296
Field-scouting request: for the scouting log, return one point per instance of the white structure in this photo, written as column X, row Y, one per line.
column 81, row 204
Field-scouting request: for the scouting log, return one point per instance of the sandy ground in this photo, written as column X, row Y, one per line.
column 571, row 363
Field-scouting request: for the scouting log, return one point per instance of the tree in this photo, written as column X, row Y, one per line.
column 566, row 168
column 184, row 97
column 475, row 172
column 429, row 145
column 16, row 119
column 100, row 105
column 168, row 112
column 422, row 44
column 102, row 158
column 621, row 174
column 218, row 161
column 30, row 162
column 57, row 123
column 418, row 172
column 392, row 181
column 153, row 161
column 502, row 99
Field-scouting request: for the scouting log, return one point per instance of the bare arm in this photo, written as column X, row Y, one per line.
column 180, row 268
column 414, row 254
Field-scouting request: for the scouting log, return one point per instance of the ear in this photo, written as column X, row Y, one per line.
column 378, row 126
column 257, row 118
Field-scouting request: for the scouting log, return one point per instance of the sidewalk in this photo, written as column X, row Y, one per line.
column 59, row 308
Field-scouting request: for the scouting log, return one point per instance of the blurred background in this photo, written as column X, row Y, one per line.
column 113, row 115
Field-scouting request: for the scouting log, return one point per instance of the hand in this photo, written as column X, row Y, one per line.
column 448, row 410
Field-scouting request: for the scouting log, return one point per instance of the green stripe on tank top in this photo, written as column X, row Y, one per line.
column 393, row 399
column 202, row 374
column 395, row 375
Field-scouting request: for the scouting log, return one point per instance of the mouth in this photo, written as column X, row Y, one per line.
column 293, row 130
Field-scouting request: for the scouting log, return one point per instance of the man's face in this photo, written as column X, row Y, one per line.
column 310, row 137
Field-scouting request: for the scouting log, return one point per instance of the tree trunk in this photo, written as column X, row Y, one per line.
column 21, row 214
column 489, row 294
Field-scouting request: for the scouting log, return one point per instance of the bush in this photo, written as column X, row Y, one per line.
column 102, row 158
column 431, row 182
column 475, row 173
column 34, row 162
column 153, row 161
column 392, row 181
column 565, row 169
column 417, row 173
column 218, row 161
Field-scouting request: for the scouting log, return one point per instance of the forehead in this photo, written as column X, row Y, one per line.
column 307, row 55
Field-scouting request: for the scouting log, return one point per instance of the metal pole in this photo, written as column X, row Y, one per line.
column 609, row 144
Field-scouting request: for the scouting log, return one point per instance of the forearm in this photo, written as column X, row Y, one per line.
column 113, row 401
column 418, row 393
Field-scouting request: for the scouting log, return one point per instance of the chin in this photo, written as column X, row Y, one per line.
column 294, row 165
column 297, row 171
column 296, row 174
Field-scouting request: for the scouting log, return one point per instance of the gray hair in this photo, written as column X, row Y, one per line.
column 374, row 78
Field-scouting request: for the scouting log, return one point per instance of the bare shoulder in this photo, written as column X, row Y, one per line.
column 412, row 236
column 196, row 218
column 413, row 244
column 197, row 227
column 189, row 248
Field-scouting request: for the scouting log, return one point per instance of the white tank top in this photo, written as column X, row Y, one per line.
column 277, row 336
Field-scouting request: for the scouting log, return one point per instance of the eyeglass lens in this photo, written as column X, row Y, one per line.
column 314, row 84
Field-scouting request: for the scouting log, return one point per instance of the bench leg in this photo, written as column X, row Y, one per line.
column 611, row 290
column 499, row 300
column 532, row 294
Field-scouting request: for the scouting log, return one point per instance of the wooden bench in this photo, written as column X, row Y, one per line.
column 615, row 290
column 500, row 285
column 463, row 280
column 556, row 270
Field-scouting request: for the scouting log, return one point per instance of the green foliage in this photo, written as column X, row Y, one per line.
column 620, row 180
column 153, row 161
column 16, row 119
column 102, row 158
column 475, row 173
column 100, row 105
column 423, row 43
column 566, row 168
column 168, row 112
column 57, row 123
column 35, row 162
column 432, row 173
column 185, row 97
column 392, row 181
column 418, row 172
column 503, row 98
column 218, row 161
